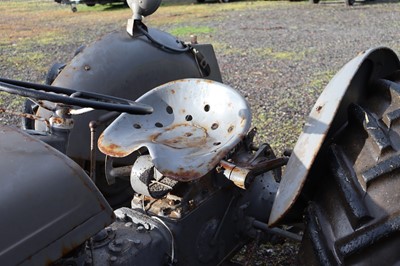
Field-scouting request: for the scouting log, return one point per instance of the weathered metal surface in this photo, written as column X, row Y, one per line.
column 122, row 66
column 194, row 125
column 243, row 172
column 48, row 204
column 147, row 181
column 237, row 175
column 344, row 88
column 197, row 236
column 354, row 218
column 26, row 115
column 134, row 239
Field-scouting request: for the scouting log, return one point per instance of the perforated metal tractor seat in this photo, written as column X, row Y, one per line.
column 194, row 125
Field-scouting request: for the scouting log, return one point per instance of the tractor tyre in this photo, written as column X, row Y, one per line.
column 349, row 2
column 355, row 217
column 53, row 72
column 314, row 1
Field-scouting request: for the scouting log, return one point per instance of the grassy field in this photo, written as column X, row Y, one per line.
column 37, row 32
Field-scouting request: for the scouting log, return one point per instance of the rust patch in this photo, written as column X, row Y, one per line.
column 57, row 120
column 183, row 175
column 154, row 137
column 26, row 115
column 182, row 140
column 185, row 140
column 111, row 149
column 30, row 116
column 319, row 108
column 236, row 174
column 232, row 167
column 205, row 81
column 218, row 157
column 173, row 91
column 227, row 166
column 64, row 251
column 189, row 175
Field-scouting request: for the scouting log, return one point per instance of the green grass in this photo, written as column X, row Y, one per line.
column 20, row 19
column 189, row 30
column 280, row 55
column 11, row 102
column 33, row 59
column 274, row 122
column 319, row 81
column 226, row 49
column 171, row 13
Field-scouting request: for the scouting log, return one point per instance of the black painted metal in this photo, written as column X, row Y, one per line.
column 349, row 188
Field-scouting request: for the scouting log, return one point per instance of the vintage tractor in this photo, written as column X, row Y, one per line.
column 136, row 153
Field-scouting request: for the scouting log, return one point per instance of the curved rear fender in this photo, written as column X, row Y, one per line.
column 327, row 116
column 49, row 206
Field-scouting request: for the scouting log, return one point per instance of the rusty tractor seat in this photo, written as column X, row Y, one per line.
column 195, row 123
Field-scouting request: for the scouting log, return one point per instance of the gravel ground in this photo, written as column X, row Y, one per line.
column 280, row 55
column 290, row 52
